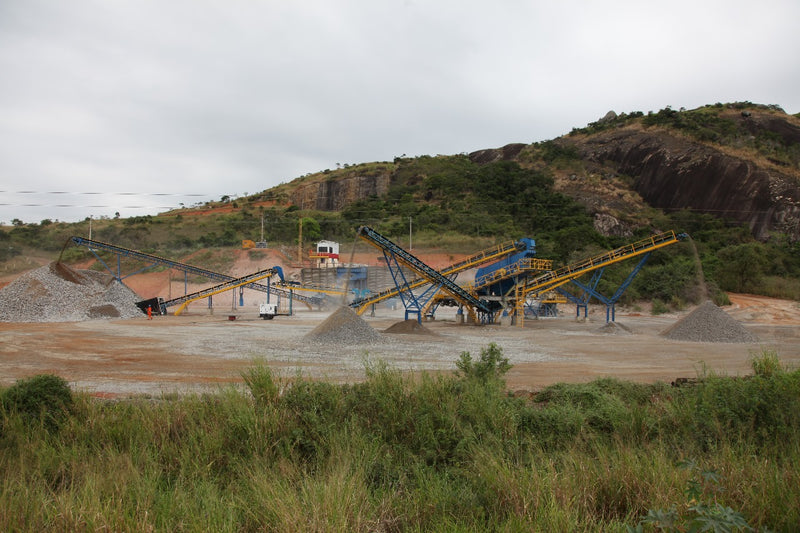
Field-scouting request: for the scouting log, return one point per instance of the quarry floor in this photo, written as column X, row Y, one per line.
column 203, row 351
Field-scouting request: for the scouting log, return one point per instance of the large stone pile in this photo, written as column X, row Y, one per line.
column 709, row 323
column 57, row 293
column 344, row 327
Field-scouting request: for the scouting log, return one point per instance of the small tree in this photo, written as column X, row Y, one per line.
column 741, row 267
column 311, row 229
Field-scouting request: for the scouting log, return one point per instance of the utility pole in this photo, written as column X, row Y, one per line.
column 409, row 233
column 300, row 244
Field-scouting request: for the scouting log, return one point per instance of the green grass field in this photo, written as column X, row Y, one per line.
column 401, row 452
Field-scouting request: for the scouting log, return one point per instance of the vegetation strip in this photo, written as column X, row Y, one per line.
column 397, row 452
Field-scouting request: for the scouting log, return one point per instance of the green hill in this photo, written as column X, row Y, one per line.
column 728, row 175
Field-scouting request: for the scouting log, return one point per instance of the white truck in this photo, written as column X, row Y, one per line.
column 267, row 311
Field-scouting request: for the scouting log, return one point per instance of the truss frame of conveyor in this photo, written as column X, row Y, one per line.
column 451, row 271
column 185, row 300
column 546, row 307
column 589, row 290
column 477, row 310
column 154, row 260
column 556, row 278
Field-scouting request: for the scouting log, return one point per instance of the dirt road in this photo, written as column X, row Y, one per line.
column 200, row 350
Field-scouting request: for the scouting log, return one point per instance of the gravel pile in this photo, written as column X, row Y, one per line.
column 408, row 326
column 615, row 328
column 57, row 293
column 345, row 327
column 709, row 323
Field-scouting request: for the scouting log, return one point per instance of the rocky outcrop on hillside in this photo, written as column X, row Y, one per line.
column 336, row 194
column 621, row 164
column 673, row 173
column 508, row 152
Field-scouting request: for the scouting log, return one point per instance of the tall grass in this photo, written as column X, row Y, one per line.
column 404, row 453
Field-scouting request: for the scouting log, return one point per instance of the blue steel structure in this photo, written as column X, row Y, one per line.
column 589, row 290
column 395, row 256
column 154, row 260
column 497, row 281
column 506, row 284
column 422, row 299
column 512, row 280
column 555, row 279
column 543, row 309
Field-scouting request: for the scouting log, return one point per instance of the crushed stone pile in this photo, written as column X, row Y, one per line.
column 709, row 323
column 408, row 326
column 615, row 328
column 344, row 327
column 58, row 293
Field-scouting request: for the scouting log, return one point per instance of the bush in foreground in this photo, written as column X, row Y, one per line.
column 44, row 398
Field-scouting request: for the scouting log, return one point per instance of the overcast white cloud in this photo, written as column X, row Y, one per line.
column 167, row 99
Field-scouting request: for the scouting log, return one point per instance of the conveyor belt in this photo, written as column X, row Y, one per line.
column 433, row 276
column 222, row 287
column 183, row 267
column 555, row 278
column 491, row 254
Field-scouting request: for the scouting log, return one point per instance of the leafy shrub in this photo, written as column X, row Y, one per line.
column 552, row 151
column 697, row 514
column 45, row 397
column 315, row 410
column 601, row 409
column 659, row 307
column 492, row 366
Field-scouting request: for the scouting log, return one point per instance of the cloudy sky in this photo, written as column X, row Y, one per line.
column 135, row 106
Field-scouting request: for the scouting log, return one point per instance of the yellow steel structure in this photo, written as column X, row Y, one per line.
column 554, row 299
column 321, row 290
column 472, row 261
column 224, row 287
column 555, row 278
column 523, row 266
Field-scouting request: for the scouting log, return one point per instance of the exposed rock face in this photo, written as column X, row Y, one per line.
column 608, row 117
column 675, row 173
column 508, row 152
column 336, row 194
column 610, row 226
